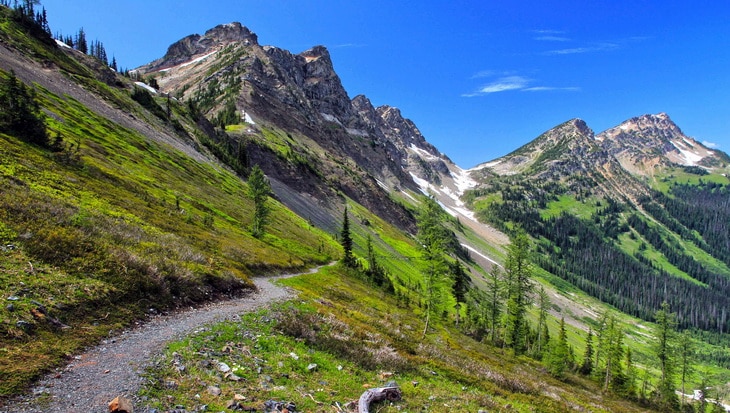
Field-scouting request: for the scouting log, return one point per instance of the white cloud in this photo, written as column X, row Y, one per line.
column 346, row 45
column 549, row 31
column 550, row 88
column 505, row 83
column 552, row 39
column 711, row 145
column 514, row 82
column 576, row 50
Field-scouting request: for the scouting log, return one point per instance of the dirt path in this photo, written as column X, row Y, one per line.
column 113, row 368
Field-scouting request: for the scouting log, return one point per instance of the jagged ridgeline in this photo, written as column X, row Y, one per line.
column 138, row 200
column 634, row 216
column 294, row 106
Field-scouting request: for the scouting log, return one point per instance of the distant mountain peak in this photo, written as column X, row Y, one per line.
column 642, row 142
column 193, row 45
column 316, row 53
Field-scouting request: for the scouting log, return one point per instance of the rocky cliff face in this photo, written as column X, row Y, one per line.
column 302, row 95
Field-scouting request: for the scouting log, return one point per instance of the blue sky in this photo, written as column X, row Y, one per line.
column 479, row 78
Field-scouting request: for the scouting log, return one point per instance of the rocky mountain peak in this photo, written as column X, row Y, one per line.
column 195, row 45
column 648, row 140
column 316, row 53
column 232, row 32
column 651, row 128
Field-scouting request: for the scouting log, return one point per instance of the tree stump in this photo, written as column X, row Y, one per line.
column 390, row 392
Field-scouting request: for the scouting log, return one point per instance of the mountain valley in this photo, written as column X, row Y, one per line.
column 139, row 202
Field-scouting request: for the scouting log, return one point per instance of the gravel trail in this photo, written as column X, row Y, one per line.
column 113, row 368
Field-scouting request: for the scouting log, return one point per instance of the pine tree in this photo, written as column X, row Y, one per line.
column 543, row 337
column 628, row 389
column 495, row 294
column 519, row 287
column 686, row 355
column 664, row 350
column 346, row 241
column 614, row 353
column 587, row 366
column 259, row 190
column 20, row 114
column 374, row 271
column 432, row 236
column 80, row 42
column 558, row 359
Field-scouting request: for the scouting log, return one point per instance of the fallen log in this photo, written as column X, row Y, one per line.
column 390, row 392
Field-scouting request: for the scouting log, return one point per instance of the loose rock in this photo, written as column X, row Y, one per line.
column 120, row 405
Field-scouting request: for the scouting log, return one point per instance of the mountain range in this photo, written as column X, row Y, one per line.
column 143, row 199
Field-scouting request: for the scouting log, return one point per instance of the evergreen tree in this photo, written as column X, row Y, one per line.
column 628, row 389
column 614, row 353
column 229, row 115
column 432, row 236
column 543, row 336
column 664, row 350
column 686, row 355
column 495, row 294
column 80, row 42
column 375, row 271
column 558, row 360
column 346, row 241
column 259, row 190
column 600, row 344
column 519, row 271
column 587, row 366
column 113, row 63
column 20, row 114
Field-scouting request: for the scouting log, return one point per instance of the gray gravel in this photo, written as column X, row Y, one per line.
column 113, row 368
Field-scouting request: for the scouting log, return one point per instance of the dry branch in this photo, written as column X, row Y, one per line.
column 390, row 392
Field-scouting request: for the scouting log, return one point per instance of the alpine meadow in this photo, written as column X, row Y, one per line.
column 584, row 271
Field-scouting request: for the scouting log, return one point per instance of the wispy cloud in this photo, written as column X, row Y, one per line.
column 549, row 31
column 552, row 39
column 514, row 82
column 493, row 73
column 600, row 47
column 711, row 145
column 550, row 88
column 505, row 83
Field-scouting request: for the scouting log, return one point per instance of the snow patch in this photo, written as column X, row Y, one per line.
column 409, row 196
column 62, row 44
column 423, row 153
column 423, row 184
column 247, row 118
column 463, row 181
column 382, row 184
column 147, row 87
column 691, row 157
column 474, row 250
column 199, row 59
column 192, row 62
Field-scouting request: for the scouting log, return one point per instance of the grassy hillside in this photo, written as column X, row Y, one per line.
column 111, row 224
column 126, row 212
column 361, row 338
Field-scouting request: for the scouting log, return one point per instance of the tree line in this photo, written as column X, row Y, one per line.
column 587, row 253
